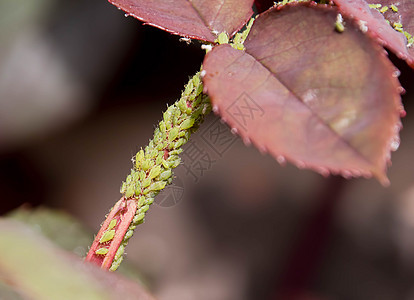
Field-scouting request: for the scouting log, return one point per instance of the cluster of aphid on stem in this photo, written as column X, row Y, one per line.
column 153, row 166
column 152, row 171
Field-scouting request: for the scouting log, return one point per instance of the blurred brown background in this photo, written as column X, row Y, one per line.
column 81, row 88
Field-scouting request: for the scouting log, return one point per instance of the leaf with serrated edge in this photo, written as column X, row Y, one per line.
column 322, row 99
column 198, row 19
column 375, row 25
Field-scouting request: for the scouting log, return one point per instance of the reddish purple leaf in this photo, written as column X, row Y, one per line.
column 302, row 91
column 199, row 19
column 376, row 26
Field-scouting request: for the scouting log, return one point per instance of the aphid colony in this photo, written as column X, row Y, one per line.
column 152, row 171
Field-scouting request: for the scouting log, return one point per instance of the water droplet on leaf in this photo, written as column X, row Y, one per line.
column 247, row 141
column 300, row 164
column 395, row 144
column 396, row 73
column 401, row 90
column 281, row 159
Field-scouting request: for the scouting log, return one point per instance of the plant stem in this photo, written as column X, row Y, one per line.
column 152, row 169
column 151, row 172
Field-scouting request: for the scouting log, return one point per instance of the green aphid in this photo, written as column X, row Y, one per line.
column 374, row 5
column 186, row 135
column 237, row 38
column 187, row 124
column 173, row 134
column 139, row 217
column 151, row 194
column 112, row 224
column 128, row 234
column 223, row 38
column 115, row 264
column 135, row 175
column 155, row 171
column 162, row 126
column 182, row 133
column 247, row 31
column 174, row 163
column 153, row 153
column 102, row 251
column 339, row 24
column 138, row 189
column 146, row 182
column 196, row 80
column 158, row 160
column 141, row 201
column 123, row 188
column 130, row 191
column 135, row 220
column 157, row 135
column 128, row 179
column 196, row 113
column 107, row 236
column 176, row 120
column 174, row 154
column 146, row 164
column 156, row 186
column 167, row 118
column 165, row 164
column 149, row 201
column 139, row 158
column 160, row 146
column 142, row 175
column 384, row 9
column 144, row 209
column 200, row 87
column 394, row 8
column 196, row 102
column 179, row 143
column 189, row 110
column 119, row 252
column 397, row 25
column 188, row 89
column 182, row 105
column 238, row 46
column 409, row 37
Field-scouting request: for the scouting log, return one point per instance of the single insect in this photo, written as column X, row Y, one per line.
column 384, row 9
column 339, row 24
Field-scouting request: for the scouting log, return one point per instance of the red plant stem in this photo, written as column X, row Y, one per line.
column 307, row 253
column 123, row 212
